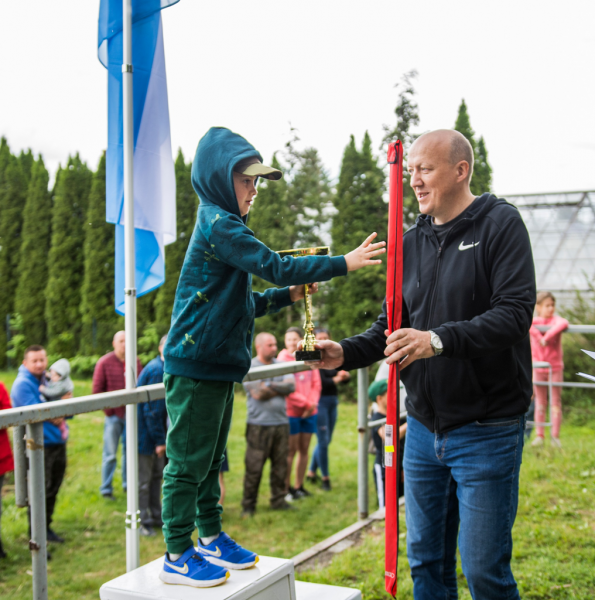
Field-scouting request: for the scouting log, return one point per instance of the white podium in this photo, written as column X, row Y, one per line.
column 271, row 579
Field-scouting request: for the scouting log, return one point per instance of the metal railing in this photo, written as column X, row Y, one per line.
column 27, row 422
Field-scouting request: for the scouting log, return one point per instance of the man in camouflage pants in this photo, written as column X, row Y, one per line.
column 267, row 429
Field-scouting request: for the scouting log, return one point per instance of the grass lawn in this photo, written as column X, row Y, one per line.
column 94, row 528
column 554, row 552
column 554, row 534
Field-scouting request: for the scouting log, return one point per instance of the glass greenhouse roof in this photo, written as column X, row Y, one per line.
column 562, row 231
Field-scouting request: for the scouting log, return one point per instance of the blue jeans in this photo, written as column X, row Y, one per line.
column 463, row 482
column 114, row 429
column 327, row 417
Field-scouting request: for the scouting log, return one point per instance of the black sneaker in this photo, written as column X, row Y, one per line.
column 110, row 497
column 312, row 478
column 326, row 485
column 284, row 506
column 53, row 538
column 146, row 531
column 248, row 514
column 301, row 492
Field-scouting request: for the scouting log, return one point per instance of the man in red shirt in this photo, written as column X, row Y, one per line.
column 110, row 375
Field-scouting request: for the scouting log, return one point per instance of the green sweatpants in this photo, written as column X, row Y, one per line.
column 200, row 414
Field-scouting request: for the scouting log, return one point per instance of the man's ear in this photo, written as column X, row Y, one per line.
column 462, row 170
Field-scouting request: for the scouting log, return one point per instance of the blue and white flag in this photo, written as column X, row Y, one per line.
column 154, row 177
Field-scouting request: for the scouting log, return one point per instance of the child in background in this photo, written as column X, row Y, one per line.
column 59, row 384
column 547, row 347
column 302, row 410
column 378, row 395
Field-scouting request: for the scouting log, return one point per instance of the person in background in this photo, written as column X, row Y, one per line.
column 302, row 409
column 59, row 384
column 377, row 393
column 267, row 429
column 152, row 430
column 327, row 417
column 547, row 347
column 25, row 392
column 6, row 459
column 109, row 376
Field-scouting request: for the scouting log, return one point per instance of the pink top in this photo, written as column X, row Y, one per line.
column 551, row 353
column 308, row 386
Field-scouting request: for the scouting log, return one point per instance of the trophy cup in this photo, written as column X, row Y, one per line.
column 308, row 351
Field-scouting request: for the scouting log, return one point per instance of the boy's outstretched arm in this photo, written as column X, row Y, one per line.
column 236, row 245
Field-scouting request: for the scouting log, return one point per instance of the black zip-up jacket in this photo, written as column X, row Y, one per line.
column 477, row 292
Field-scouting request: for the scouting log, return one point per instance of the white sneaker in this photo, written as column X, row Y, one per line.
column 556, row 443
column 537, row 442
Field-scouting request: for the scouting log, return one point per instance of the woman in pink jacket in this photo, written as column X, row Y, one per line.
column 302, row 410
column 547, row 347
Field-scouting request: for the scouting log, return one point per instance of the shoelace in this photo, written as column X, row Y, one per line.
column 231, row 544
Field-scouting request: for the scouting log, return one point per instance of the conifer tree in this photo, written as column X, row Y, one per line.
column 481, row 181
column 27, row 161
column 361, row 210
column 13, row 193
column 97, row 313
column 482, row 171
column 66, row 263
column 32, row 280
column 186, row 206
column 4, row 157
column 407, row 113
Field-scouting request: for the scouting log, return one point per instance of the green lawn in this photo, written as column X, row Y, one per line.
column 554, row 534
column 554, row 553
column 94, row 528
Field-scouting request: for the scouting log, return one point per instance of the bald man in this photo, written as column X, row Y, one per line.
column 464, row 350
column 110, row 375
column 267, row 431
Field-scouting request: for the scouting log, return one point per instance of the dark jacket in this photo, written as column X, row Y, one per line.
column 477, row 293
column 213, row 315
column 152, row 416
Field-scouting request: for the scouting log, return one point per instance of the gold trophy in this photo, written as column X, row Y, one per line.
column 308, row 351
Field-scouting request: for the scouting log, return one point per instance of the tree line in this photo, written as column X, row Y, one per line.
column 57, row 251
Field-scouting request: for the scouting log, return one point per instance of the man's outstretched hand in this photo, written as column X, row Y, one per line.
column 362, row 256
column 332, row 355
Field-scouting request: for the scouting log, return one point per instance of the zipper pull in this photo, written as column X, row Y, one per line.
column 439, row 251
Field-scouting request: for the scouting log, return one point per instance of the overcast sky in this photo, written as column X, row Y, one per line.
column 328, row 67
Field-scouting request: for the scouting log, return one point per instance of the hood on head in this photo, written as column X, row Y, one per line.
column 62, row 367
column 212, row 169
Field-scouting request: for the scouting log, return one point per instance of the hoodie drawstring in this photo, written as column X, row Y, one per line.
column 418, row 248
column 474, row 263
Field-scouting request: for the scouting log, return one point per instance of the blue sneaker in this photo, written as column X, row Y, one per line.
column 192, row 569
column 224, row 552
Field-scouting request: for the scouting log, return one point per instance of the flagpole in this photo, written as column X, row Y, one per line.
column 132, row 514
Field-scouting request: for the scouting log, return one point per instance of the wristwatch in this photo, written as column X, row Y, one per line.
column 436, row 344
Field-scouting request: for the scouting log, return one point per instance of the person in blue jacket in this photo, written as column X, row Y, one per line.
column 152, row 429
column 25, row 392
column 209, row 346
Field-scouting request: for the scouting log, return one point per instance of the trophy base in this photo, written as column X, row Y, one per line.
column 308, row 355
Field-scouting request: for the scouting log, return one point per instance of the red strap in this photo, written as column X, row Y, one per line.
column 394, row 298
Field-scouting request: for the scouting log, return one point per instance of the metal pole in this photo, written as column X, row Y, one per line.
column 38, row 542
column 363, row 440
column 20, row 466
column 132, row 513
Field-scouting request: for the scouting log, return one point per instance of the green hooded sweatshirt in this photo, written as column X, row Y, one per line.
column 214, row 310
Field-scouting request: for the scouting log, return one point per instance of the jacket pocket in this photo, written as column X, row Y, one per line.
column 233, row 350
